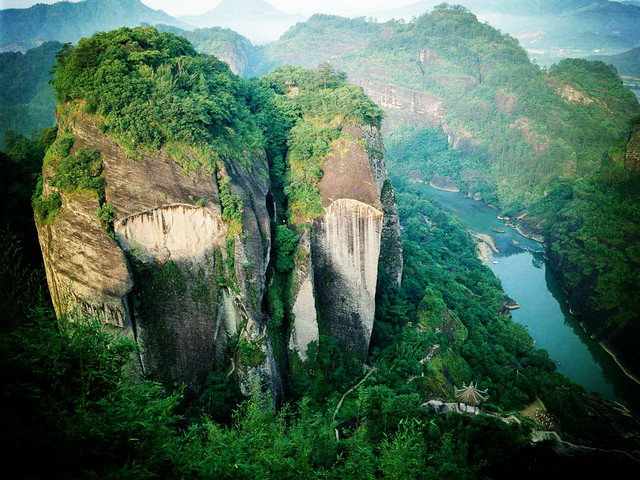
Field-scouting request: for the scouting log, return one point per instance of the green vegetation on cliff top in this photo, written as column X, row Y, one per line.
column 150, row 89
column 319, row 103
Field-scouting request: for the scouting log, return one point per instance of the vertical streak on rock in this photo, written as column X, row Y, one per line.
column 390, row 262
column 345, row 249
column 305, row 316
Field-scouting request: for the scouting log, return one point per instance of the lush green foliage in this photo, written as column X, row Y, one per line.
column 286, row 243
column 238, row 51
column 593, row 226
column 505, row 112
column 20, row 169
column 82, row 171
column 152, row 88
column 543, row 140
column 231, row 203
column 444, row 283
column 314, row 105
column 627, row 63
column 66, row 396
column 46, row 208
column 25, row 28
column 308, row 146
column 324, row 92
column 69, row 396
column 427, row 151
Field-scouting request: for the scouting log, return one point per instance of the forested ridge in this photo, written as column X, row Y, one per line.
column 514, row 115
column 24, row 28
column 73, row 400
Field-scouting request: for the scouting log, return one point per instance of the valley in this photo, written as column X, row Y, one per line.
column 527, row 277
column 276, row 256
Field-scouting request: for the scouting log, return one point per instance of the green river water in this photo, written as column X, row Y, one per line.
column 527, row 278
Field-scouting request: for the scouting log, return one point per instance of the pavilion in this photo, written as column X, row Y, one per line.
column 470, row 398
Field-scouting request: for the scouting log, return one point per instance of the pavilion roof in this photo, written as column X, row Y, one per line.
column 470, row 394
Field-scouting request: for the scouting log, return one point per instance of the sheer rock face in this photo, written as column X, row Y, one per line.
column 78, row 255
column 345, row 250
column 403, row 105
column 172, row 232
column 184, row 285
column 174, row 273
column 338, row 261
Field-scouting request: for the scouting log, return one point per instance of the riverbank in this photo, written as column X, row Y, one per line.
column 528, row 228
column 483, row 251
column 485, row 246
column 629, row 374
column 445, row 184
column 556, row 268
column 528, row 277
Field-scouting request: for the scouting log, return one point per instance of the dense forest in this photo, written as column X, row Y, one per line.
column 517, row 117
column 626, row 62
column 73, row 399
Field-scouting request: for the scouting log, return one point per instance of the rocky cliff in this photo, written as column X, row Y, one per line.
column 187, row 282
column 184, row 279
column 156, row 209
column 407, row 106
column 339, row 258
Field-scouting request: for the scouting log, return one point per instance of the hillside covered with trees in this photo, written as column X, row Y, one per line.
column 524, row 134
column 73, row 399
column 27, row 98
column 25, row 28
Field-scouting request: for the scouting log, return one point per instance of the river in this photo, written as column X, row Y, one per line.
column 527, row 278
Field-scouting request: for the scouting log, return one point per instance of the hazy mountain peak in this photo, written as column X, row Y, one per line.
column 23, row 28
column 256, row 19
column 235, row 6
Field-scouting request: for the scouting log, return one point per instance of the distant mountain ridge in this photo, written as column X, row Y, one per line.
column 26, row 97
column 508, row 7
column 230, row 47
column 550, row 29
column 24, row 28
column 627, row 63
column 255, row 19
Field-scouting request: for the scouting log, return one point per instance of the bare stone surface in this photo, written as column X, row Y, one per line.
column 336, row 275
column 169, row 274
column 86, row 270
column 305, row 315
column 348, row 174
column 172, row 232
column 345, row 248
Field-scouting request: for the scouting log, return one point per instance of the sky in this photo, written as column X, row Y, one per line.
column 306, row 7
